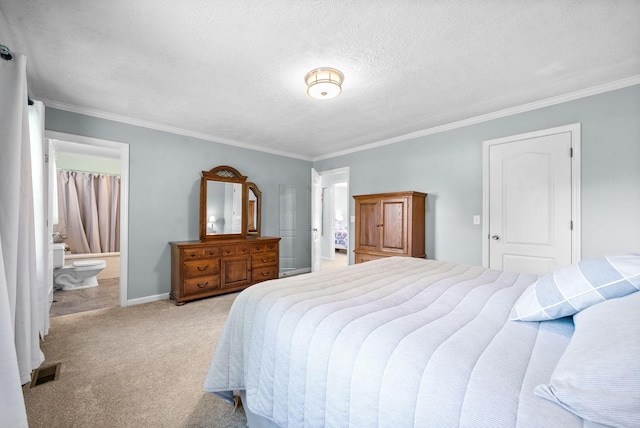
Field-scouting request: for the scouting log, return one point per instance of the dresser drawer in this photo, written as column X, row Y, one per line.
column 263, row 247
column 193, row 253
column 203, row 284
column 211, row 252
column 202, row 267
column 200, row 253
column 235, row 250
column 263, row 273
column 264, row 259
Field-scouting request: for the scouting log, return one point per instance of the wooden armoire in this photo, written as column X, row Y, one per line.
column 390, row 224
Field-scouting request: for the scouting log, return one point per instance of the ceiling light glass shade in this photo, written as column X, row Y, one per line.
column 324, row 83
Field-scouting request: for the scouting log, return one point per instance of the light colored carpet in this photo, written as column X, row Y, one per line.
column 137, row 366
column 341, row 260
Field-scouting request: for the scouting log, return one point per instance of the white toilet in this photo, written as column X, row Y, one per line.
column 80, row 274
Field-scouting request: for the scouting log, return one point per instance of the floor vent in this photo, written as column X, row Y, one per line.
column 45, row 374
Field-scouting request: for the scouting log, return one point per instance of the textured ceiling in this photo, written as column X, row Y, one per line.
column 233, row 71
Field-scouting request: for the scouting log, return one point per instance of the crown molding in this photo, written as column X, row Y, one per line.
column 164, row 128
column 611, row 86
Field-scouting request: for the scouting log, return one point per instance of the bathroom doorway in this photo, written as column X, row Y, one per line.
column 92, row 156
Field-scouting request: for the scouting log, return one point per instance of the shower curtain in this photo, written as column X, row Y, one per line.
column 89, row 211
column 21, row 286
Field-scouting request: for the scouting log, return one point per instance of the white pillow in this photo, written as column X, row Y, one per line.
column 569, row 290
column 598, row 376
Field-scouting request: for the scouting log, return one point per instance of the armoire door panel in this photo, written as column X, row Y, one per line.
column 394, row 226
column 368, row 225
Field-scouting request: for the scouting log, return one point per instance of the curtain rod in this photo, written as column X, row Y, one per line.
column 86, row 172
column 5, row 54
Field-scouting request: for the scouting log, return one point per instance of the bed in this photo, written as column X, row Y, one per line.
column 404, row 342
column 341, row 235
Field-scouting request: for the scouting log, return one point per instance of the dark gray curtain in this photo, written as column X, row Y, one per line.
column 89, row 211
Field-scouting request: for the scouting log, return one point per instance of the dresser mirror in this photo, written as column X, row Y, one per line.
column 223, row 203
column 254, row 208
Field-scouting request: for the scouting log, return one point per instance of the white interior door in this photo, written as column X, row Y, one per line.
column 530, row 201
column 316, row 219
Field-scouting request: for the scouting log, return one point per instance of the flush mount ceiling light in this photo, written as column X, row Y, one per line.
column 324, row 83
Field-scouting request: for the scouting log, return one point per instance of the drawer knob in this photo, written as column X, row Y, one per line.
column 193, row 254
column 228, row 251
column 211, row 252
column 244, row 250
column 202, row 269
column 265, row 273
column 265, row 260
column 203, row 285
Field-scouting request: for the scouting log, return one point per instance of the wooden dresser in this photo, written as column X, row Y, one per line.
column 208, row 268
column 390, row 224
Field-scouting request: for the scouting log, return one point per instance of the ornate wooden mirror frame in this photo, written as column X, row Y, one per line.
column 254, row 209
column 223, row 203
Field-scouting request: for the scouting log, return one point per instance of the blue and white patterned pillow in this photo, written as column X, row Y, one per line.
column 569, row 290
column 598, row 376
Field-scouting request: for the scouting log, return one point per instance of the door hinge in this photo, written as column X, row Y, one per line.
column 571, row 152
column 571, row 224
column 46, row 158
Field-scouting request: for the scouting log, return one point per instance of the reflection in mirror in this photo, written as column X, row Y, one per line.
column 224, row 208
column 254, row 202
column 223, row 194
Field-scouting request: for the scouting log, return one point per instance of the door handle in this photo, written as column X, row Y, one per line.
column 495, row 237
column 315, row 229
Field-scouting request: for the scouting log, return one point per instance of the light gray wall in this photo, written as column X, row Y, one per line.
column 448, row 166
column 164, row 186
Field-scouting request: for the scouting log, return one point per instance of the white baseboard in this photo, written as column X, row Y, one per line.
column 147, row 299
column 294, row 272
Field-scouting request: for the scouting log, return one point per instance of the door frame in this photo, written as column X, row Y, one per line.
column 574, row 130
column 123, row 151
column 316, row 220
column 323, row 174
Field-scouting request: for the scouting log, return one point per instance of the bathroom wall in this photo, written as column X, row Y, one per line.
column 74, row 162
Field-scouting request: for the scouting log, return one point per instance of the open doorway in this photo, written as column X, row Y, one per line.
column 92, row 157
column 335, row 218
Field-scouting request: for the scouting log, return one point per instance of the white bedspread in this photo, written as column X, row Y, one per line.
column 397, row 342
